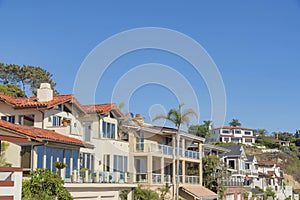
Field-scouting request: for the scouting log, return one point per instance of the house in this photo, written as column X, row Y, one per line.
column 235, row 161
column 271, row 174
column 153, row 153
column 96, row 157
column 234, row 134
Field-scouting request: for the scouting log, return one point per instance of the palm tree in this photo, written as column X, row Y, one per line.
column 178, row 117
column 235, row 123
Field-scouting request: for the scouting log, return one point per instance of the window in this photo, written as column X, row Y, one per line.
column 237, row 132
column 248, row 140
column 225, row 131
column 26, row 120
column 87, row 133
column 231, row 164
column 56, row 121
column 75, row 159
column 108, row 130
column 26, row 157
column 248, row 133
column 120, row 163
column 226, row 139
column 10, row 119
column 68, row 157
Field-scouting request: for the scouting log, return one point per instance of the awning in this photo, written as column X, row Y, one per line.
column 198, row 192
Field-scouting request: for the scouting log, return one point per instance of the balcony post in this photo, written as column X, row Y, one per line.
column 183, row 146
column 162, row 170
column 149, row 168
column 183, row 171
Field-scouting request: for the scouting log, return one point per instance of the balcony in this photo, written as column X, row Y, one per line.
column 194, row 180
column 166, row 150
column 251, row 172
column 233, row 183
column 100, row 177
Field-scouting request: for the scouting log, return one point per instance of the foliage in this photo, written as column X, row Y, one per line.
column 44, row 183
column 60, row 165
column 163, row 191
column 285, row 136
column 123, row 194
column 235, row 123
column 202, row 130
column 25, row 76
column 144, row 194
column 4, row 146
column 270, row 192
column 213, row 173
column 261, row 132
column 268, row 142
column 11, row 90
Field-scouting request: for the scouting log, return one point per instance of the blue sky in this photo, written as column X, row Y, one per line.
column 255, row 45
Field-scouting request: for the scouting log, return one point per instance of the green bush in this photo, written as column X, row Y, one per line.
column 44, row 184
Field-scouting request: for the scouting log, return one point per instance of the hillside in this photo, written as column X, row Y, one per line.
column 286, row 159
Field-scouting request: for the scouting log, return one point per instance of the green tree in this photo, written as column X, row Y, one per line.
column 144, row 194
column 26, row 76
column 213, row 172
column 44, row 184
column 235, row 123
column 261, row 132
column 178, row 117
column 202, row 130
column 270, row 192
column 11, row 90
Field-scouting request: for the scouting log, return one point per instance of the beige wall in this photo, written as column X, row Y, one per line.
column 12, row 155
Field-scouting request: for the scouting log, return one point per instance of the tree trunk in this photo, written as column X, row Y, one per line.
column 177, row 164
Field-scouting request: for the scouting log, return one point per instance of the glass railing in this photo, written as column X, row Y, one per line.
column 192, row 154
column 192, row 179
column 141, row 177
column 166, row 150
column 87, row 176
column 156, row 179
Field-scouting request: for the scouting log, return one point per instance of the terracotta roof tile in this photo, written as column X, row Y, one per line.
column 99, row 107
column 22, row 102
column 43, row 134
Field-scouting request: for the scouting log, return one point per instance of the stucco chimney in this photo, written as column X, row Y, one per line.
column 44, row 93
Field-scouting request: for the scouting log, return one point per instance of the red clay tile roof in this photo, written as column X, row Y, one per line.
column 99, row 107
column 25, row 102
column 199, row 191
column 233, row 127
column 43, row 134
column 266, row 163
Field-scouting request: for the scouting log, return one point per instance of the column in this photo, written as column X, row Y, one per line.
column 183, row 146
column 45, row 157
column 162, row 170
column 130, row 195
column 200, row 163
column 149, row 168
column 183, row 171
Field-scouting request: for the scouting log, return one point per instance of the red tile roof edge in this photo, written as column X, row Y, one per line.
column 43, row 134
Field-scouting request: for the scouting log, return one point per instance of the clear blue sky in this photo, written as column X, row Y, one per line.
column 255, row 44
